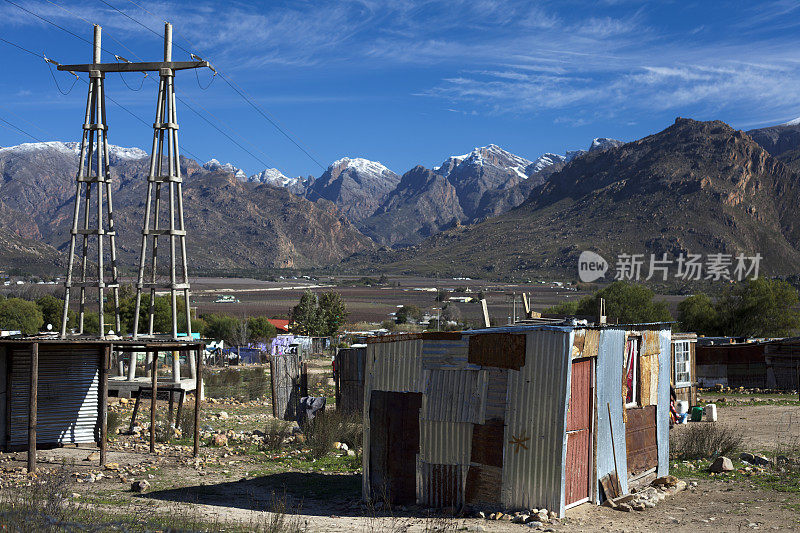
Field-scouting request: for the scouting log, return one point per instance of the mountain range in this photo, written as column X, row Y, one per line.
column 696, row 187
column 699, row 187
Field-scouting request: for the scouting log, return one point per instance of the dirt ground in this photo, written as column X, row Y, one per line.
column 239, row 483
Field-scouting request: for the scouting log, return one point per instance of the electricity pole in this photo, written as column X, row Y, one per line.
column 165, row 144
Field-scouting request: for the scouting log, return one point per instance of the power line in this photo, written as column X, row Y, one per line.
column 20, row 130
column 240, row 91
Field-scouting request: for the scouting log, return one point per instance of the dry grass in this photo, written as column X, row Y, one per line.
column 706, row 440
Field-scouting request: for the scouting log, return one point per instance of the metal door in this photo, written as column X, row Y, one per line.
column 579, row 433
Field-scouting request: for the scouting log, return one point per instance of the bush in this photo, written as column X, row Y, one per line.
column 113, row 421
column 186, row 421
column 706, row 440
column 275, row 433
column 333, row 426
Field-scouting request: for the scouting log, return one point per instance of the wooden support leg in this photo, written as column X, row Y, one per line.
column 197, row 394
column 135, row 410
column 105, row 358
column 171, row 408
column 181, row 395
column 33, row 405
column 154, row 381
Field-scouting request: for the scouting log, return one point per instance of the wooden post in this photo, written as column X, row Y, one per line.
column 105, row 358
column 197, row 389
column 33, row 405
column 154, row 381
column 486, row 322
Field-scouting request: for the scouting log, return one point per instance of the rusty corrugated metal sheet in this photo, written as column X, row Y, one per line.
column 446, row 443
column 454, row 395
column 533, row 462
column 440, row 485
column 397, row 366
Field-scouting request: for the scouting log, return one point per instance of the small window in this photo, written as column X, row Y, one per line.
column 632, row 372
column 683, row 374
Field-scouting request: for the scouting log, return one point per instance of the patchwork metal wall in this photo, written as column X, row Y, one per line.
column 349, row 378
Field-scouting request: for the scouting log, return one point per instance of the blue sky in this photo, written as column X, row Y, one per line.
column 410, row 82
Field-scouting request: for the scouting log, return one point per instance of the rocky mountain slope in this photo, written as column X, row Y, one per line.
column 231, row 224
column 357, row 186
column 696, row 187
column 778, row 139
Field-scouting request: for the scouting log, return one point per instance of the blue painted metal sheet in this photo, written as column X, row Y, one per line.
column 609, row 392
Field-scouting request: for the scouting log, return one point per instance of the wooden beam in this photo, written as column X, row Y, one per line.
column 154, row 381
column 486, row 322
column 33, row 405
column 105, row 359
column 152, row 66
column 197, row 389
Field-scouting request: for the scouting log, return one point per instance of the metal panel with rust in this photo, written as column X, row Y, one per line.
column 500, row 350
column 579, row 431
column 640, row 438
column 487, row 443
column 350, row 379
column 441, row 485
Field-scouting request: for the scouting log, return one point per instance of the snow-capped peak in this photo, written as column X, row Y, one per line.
column 487, row 155
column 604, row 143
column 214, row 164
column 547, row 160
column 360, row 165
column 117, row 152
column 793, row 122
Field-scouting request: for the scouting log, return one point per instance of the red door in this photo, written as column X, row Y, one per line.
column 579, row 432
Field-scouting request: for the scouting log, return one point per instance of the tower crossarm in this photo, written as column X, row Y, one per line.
column 152, row 66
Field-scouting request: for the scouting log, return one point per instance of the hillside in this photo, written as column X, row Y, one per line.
column 696, row 187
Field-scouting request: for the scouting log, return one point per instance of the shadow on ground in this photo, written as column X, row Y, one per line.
column 300, row 492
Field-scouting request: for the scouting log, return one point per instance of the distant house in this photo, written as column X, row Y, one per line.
column 461, row 299
column 764, row 364
column 282, row 325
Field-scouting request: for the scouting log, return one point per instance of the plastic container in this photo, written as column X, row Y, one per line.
column 683, row 419
column 710, row 412
column 697, row 414
column 682, row 407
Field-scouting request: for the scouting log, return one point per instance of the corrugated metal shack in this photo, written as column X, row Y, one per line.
column 684, row 367
column 517, row 417
column 732, row 364
column 771, row 364
column 348, row 377
column 54, row 392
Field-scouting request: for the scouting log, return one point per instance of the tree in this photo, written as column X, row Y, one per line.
column 698, row 314
column 19, row 314
column 260, row 329
column 333, row 312
column 451, row 313
column 759, row 308
column 220, row 327
column 305, row 317
column 52, row 309
column 627, row 303
column 407, row 311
